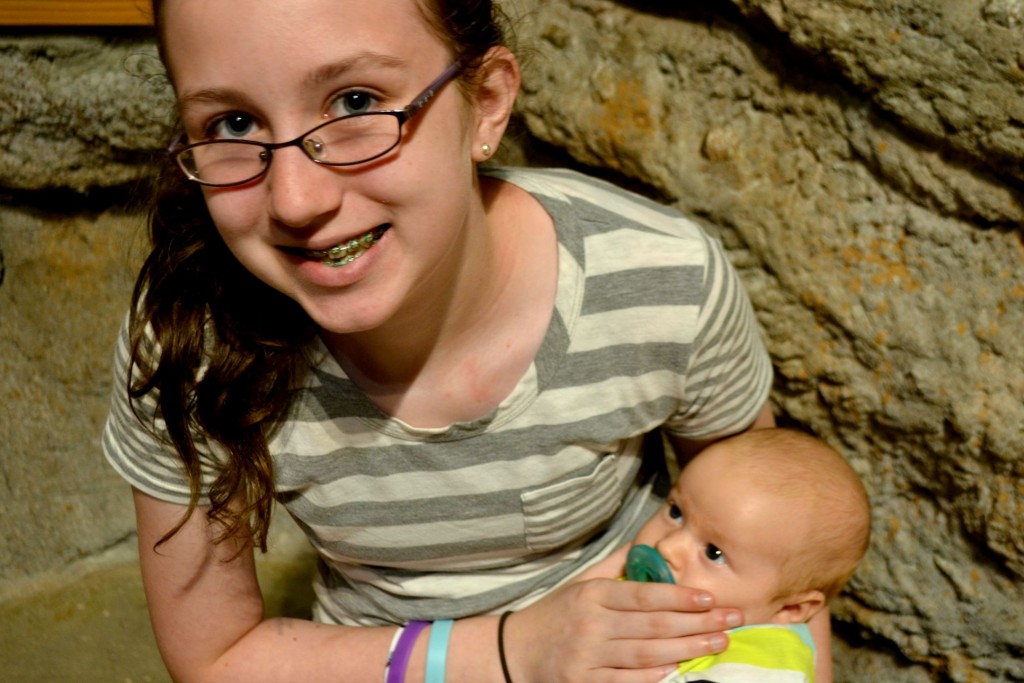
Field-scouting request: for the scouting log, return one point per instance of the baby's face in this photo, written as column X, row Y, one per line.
column 719, row 533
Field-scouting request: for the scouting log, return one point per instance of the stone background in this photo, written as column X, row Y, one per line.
column 863, row 161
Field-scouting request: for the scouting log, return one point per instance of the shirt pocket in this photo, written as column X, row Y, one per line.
column 570, row 510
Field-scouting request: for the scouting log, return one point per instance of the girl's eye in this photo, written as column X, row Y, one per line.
column 353, row 102
column 674, row 513
column 714, row 553
column 233, row 126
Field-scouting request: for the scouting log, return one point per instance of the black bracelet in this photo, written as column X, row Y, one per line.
column 501, row 646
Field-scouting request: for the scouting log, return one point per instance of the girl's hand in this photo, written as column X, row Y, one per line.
column 606, row 630
column 611, row 567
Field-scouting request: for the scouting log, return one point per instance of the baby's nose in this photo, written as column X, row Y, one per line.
column 672, row 550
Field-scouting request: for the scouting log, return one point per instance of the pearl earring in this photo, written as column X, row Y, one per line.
column 486, row 149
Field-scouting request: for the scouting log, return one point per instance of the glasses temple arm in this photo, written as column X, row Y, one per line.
column 428, row 94
column 176, row 143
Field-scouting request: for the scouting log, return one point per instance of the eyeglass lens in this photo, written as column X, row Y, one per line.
column 345, row 141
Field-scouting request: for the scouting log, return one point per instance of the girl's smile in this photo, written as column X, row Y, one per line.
column 344, row 253
column 367, row 247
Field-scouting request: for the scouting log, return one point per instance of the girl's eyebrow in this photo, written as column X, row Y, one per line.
column 332, row 70
column 325, row 73
column 194, row 98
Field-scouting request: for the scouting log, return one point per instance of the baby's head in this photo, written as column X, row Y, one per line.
column 772, row 522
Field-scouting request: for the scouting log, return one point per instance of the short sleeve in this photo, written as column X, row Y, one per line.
column 729, row 376
column 136, row 444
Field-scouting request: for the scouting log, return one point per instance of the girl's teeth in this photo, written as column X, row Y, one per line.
column 343, row 254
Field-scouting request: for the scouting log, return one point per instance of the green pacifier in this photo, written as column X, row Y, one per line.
column 644, row 563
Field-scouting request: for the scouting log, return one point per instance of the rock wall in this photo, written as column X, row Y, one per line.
column 861, row 159
column 74, row 131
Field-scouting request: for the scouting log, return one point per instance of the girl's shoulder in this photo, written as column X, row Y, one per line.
column 597, row 201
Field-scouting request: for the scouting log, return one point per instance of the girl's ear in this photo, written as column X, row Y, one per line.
column 799, row 607
column 494, row 97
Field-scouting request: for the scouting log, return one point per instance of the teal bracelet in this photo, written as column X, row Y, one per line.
column 437, row 651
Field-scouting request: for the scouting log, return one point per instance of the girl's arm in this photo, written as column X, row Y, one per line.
column 207, row 613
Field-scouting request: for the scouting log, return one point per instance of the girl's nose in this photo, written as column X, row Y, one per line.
column 303, row 194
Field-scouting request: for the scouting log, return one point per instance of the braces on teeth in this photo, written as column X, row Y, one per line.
column 343, row 254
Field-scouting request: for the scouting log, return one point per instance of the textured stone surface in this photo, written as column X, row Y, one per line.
column 79, row 111
column 950, row 70
column 64, row 292
column 882, row 249
column 861, row 159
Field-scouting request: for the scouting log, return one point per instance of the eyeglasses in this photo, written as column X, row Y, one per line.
column 344, row 141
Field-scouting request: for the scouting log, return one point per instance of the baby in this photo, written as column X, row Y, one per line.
column 772, row 522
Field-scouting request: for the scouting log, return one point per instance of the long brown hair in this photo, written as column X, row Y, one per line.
column 220, row 351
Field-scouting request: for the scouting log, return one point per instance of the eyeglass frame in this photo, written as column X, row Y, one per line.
column 418, row 104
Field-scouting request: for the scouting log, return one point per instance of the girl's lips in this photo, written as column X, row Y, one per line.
column 342, row 254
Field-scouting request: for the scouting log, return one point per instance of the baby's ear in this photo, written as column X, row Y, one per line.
column 798, row 608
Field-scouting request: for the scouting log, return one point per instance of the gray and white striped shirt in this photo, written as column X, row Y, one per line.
column 651, row 329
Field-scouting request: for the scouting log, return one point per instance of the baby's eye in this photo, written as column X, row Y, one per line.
column 714, row 553
column 675, row 513
column 353, row 102
column 232, row 126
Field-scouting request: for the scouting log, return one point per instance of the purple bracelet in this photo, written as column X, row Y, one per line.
column 400, row 659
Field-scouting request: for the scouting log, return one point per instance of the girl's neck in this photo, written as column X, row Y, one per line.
column 458, row 356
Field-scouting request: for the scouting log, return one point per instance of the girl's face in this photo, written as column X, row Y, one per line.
column 270, row 71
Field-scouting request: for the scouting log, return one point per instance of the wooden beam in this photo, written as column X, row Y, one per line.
column 74, row 13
